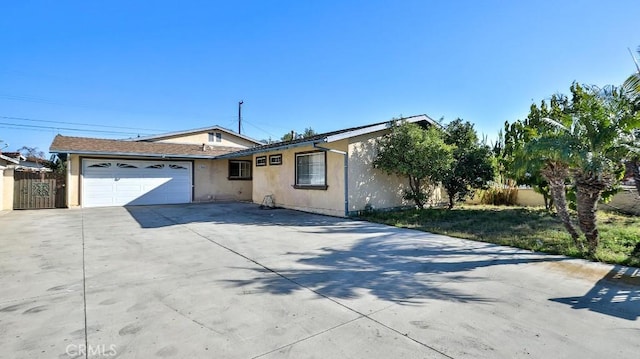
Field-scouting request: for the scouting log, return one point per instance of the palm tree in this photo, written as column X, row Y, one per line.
column 592, row 136
column 550, row 155
column 540, row 146
column 631, row 88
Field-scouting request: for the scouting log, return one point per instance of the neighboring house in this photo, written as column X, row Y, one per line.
column 330, row 173
column 28, row 164
column 177, row 167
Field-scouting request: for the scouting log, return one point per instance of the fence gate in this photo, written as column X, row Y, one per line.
column 38, row 190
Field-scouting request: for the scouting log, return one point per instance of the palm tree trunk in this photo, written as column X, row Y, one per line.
column 560, row 201
column 589, row 187
column 556, row 174
column 636, row 174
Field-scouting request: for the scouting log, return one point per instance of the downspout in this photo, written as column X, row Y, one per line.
column 346, row 174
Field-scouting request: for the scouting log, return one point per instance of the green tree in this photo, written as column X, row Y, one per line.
column 473, row 164
column 290, row 136
column 588, row 142
column 631, row 88
column 599, row 119
column 419, row 154
column 535, row 154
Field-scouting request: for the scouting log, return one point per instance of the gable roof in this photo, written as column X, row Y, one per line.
column 195, row 130
column 99, row 146
column 330, row 136
column 9, row 158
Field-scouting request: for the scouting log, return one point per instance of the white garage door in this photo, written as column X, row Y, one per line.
column 124, row 182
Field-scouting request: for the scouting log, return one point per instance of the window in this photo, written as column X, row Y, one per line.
column 215, row 137
column 311, row 170
column 261, row 161
column 125, row 165
column 239, row 170
column 275, row 160
column 101, row 165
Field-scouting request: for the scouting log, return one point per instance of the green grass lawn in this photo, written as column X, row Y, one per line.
column 529, row 228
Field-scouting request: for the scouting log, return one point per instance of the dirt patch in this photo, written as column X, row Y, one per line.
column 616, row 274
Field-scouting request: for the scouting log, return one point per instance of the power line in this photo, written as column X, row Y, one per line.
column 18, row 126
column 79, row 124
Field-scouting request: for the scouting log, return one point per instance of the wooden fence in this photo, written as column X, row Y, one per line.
column 33, row 190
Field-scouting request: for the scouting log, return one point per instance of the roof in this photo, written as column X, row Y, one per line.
column 330, row 136
column 15, row 155
column 9, row 159
column 98, row 146
column 196, row 130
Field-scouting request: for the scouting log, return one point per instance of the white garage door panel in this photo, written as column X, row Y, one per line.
column 123, row 182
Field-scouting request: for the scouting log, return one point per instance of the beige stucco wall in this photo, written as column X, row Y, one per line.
column 526, row 197
column 278, row 182
column 368, row 185
column 626, row 201
column 73, row 181
column 228, row 140
column 211, row 183
column 2, row 188
column 6, row 189
column 529, row 198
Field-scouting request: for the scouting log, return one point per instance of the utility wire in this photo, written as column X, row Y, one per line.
column 79, row 124
column 69, row 129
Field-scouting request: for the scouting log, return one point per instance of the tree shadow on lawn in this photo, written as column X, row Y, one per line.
column 401, row 270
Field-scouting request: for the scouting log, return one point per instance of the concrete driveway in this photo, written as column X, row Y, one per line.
column 233, row 281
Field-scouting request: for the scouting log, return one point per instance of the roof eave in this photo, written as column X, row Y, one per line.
column 137, row 154
column 271, row 149
column 378, row 127
column 9, row 159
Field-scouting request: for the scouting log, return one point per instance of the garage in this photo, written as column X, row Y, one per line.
column 120, row 182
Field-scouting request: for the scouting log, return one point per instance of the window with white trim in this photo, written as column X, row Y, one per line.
column 261, row 161
column 215, row 137
column 275, row 160
column 239, row 170
column 311, row 170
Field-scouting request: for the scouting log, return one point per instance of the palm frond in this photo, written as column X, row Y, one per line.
column 554, row 123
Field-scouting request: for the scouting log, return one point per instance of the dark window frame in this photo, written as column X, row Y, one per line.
column 279, row 155
column 259, row 159
column 240, row 178
column 296, row 185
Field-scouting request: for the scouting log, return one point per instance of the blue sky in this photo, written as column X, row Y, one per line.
column 155, row 66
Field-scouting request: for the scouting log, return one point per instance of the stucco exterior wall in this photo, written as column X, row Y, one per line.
column 626, row 201
column 278, row 182
column 6, row 189
column 526, row 197
column 211, row 183
column 228, row 140
column 73, row 181
column 371, row 186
